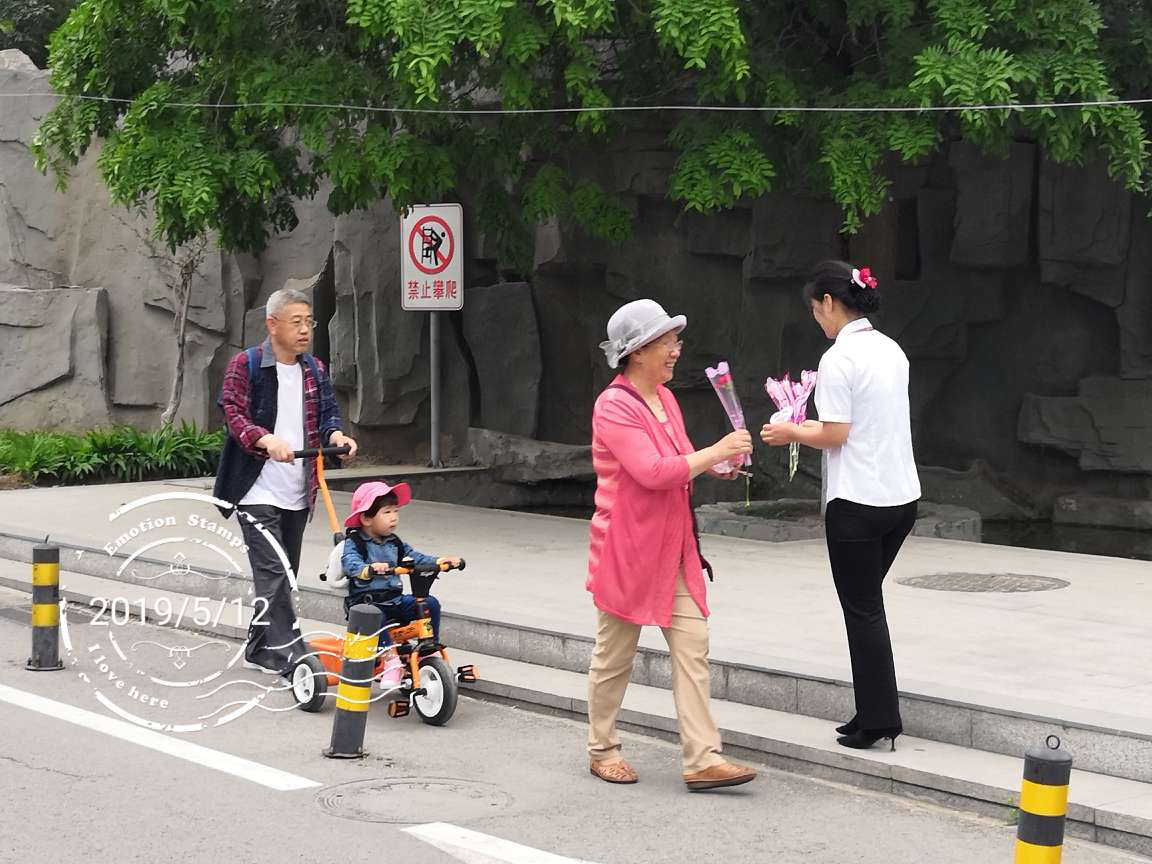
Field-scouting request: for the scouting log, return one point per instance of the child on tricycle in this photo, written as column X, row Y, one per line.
column 370, row 560
column 372, row 552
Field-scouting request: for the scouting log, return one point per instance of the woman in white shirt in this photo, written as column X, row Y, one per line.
column 870, row 478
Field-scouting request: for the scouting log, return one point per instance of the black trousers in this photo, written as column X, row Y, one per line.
column 274, row 640
column 863, row 542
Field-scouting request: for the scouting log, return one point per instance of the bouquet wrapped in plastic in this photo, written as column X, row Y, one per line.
column 791, row 398
column 721, row 379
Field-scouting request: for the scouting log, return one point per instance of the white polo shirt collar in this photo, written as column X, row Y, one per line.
column 857, row 326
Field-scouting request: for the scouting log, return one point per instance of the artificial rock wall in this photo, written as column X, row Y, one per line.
column 1021, row 291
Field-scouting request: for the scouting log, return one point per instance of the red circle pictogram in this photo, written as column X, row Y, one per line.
column 431, row 245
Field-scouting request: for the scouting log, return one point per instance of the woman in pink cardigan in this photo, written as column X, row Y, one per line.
column 643, row 561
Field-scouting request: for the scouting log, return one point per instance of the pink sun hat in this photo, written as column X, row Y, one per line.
column 367, row 493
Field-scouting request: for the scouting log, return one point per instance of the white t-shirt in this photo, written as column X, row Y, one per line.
column 863, row 380
column 282, row 484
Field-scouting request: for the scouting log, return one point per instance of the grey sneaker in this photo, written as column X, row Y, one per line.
column 256, row 667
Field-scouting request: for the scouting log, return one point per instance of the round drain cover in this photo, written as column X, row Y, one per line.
column 1002, row 583
column 412, row 799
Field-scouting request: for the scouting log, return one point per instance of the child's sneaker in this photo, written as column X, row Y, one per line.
column 393, row 673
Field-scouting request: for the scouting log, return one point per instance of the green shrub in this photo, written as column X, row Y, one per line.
column 116, row 454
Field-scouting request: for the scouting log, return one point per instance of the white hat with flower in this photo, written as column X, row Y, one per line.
column 634, row 325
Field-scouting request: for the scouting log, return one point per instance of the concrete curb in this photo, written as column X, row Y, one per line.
column 729, row 519
column 1100, row 749
column 84, row 599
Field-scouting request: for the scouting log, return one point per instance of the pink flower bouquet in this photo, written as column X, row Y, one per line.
column 721, row 379
column 791, row 398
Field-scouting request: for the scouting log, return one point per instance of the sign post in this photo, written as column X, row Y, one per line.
column 433, row 281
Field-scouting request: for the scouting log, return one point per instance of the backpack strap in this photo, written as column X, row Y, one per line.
column 358, row 541
column 310, row 362
column 313, row 367
column 399, row 544
column 691, row 508
column 357, row 538
column 254, row 356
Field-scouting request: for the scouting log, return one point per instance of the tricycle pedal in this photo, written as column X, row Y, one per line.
column 466, row 674
column 398, row 709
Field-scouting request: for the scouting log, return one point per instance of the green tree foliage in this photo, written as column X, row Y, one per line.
column 236, row 166
column 27, row 24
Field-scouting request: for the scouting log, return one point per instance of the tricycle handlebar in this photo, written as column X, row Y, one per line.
column 428, row 569
column 313, row 452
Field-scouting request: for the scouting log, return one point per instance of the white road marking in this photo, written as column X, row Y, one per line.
column 237, row 766
column 472, row 847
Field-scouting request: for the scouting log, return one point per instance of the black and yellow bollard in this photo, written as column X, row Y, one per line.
column 354, row 693
column 1043, row 804
column 45, row 610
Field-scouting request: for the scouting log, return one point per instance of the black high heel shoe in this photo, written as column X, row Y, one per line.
column 849, row 727
column 863, row 739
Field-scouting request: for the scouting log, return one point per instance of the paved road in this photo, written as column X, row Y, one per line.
column 75, row 793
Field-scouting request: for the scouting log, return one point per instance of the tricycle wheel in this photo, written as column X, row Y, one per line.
column 437, row 705
column 309, row 683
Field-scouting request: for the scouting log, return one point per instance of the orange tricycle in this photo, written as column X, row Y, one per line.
column 412, row 668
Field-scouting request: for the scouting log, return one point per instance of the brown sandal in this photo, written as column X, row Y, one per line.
column 613, row 771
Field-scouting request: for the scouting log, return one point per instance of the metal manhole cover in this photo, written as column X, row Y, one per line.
column 1001, row 583
column 411, row 800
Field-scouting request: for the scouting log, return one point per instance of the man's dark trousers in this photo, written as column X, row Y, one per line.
column 274, row 640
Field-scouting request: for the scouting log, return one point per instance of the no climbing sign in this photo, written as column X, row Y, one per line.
column 433, row 271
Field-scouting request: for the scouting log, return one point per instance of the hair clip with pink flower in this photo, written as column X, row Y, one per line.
column 864, row 278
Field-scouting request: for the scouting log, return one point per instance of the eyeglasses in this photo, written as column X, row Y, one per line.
column 299, row 323
column 674, row 345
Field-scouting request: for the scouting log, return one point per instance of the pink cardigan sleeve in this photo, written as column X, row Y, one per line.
column 626, row 435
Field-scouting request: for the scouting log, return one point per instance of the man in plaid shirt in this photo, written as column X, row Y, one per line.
column 276, row 399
